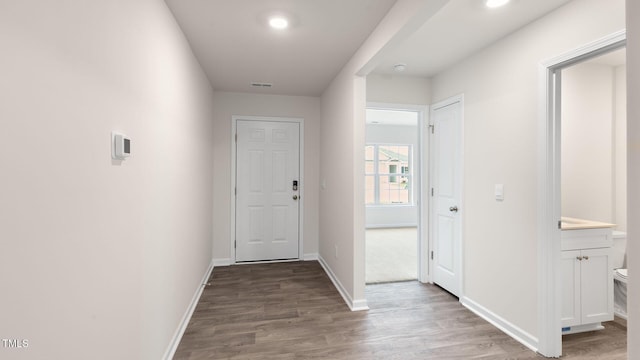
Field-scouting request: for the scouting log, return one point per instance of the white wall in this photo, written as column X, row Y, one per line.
column 588, row 142
column 100, row 259
column 594, row 143
column 620, row 148
column 398, row 89
column 342, row 210
column 337, row 197
column 633, row 161
column 378, row 216
column 228, row 104
column 500, row 85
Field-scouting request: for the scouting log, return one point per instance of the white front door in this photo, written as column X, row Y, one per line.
column 446, row 169
column 267, row 190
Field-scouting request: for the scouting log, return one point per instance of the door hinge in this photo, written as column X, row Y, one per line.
column 431, row 255
column 236, row 137
column 560, row 224
column 235, row 191
column 431, row 191
column 432, row 127
column 235, row 244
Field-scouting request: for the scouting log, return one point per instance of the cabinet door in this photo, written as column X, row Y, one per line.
column 596, row 285
column 571, row 314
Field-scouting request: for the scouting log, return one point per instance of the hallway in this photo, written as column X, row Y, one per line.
column 292, row 311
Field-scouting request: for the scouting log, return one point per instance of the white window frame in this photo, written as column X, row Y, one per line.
column 376, row 175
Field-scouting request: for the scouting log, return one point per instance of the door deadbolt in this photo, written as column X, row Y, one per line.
column 453, row 209
column 295, row 197
column 295, row 185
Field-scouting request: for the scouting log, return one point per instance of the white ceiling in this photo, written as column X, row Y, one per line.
column 460, row 29
column 231, row 40
column 235, row 46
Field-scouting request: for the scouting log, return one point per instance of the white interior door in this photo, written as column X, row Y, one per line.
column 267, row 202
column 446, row 171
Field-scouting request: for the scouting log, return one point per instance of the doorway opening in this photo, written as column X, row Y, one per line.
column 392, row 178
column 583, row 131
column 593, row 199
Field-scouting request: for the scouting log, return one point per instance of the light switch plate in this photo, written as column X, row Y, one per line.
column 499, row 192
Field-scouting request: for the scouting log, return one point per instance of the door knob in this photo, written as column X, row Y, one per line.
column 453, row 209
column 295, row 197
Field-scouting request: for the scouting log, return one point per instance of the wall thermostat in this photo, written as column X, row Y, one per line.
column 120, row 146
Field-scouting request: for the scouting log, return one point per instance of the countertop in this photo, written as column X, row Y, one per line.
column 569, row 223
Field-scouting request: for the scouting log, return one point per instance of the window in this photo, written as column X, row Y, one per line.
column 388, row 178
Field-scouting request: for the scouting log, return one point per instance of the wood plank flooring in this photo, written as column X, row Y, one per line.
column 609, row 344
column 292, row 311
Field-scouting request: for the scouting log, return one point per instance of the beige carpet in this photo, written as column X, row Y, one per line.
column 391, row 255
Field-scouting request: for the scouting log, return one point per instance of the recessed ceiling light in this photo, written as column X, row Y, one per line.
column 496, row 3
column 278, row 22
column 399, row 67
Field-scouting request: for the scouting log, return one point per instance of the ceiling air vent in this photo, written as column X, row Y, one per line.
column 261, row 85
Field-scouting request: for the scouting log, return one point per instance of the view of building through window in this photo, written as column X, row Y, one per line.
column 388, row 174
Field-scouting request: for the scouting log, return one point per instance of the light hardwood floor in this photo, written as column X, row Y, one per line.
column 292, row 311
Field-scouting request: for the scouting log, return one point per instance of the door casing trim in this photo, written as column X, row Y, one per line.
column 420, row 195
column 549, row 210
column 301, row 187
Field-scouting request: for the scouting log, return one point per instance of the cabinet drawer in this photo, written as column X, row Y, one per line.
column 586, row 239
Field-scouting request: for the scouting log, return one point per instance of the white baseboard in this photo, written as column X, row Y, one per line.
column 391, row 226
column 222, row 262
column 177, row 336
column 582, row 328
column 508, row 328
column 310, row 257
column 227, row 261
column 354, row 305
column 359, row 305
column 620, row 314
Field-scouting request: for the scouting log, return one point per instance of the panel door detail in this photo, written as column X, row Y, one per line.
column 446, row 184
column 571, row 306
column 597, row 286
column 587, row 286
column 267, row 206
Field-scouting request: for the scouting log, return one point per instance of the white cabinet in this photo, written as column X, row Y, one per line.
column 571, row 289
column 587, row 278
column 587, row 281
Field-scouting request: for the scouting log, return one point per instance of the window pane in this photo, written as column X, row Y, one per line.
column 393, row 159
column 387, row 171
column 369, row 190
column 393, row 169
column 369, row 167
column 394, row 192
